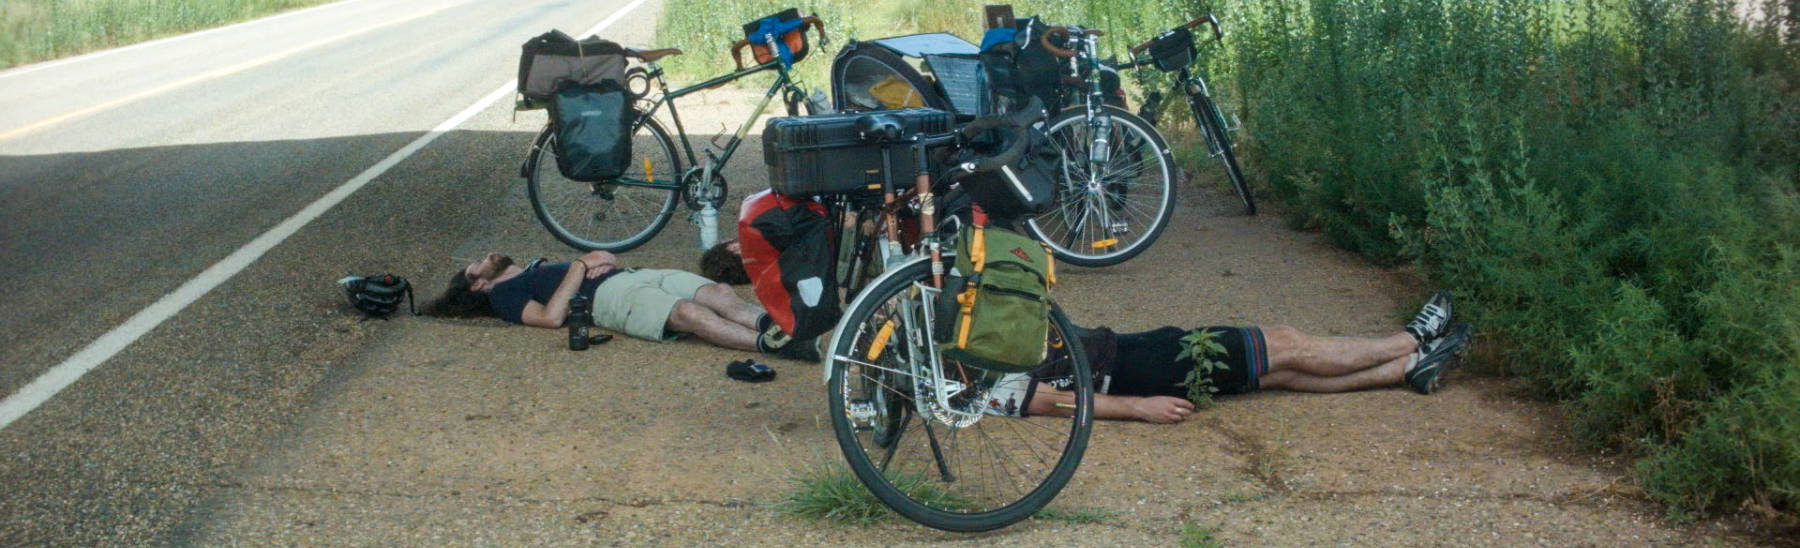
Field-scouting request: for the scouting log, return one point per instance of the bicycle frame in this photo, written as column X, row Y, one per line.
column 666, row 97
column 1194, row 87
column 1098, row 123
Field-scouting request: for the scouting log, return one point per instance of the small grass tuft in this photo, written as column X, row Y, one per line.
column 831, row 493
column 1194, row 535
column 1077, row 516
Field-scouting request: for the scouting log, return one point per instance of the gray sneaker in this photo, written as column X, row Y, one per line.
column 1437, row 356
column 1433, row 318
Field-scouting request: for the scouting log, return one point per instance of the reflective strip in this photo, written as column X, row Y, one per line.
column 881, row 340
column 1017, row 185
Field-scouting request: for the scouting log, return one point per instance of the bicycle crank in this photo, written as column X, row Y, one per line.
column 697, row 191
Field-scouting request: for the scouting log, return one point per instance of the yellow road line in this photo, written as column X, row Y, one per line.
column 64, row 117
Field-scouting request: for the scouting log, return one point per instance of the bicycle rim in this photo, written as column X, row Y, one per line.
column 933, row 466
column 1110, row 212
column 602, row 216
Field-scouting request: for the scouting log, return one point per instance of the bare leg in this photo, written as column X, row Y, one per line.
column 693, row 317
column 725, row 303
column 1387, row 374
column 1291, row 350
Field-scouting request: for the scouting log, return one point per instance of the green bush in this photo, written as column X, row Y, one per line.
column 1608, row 184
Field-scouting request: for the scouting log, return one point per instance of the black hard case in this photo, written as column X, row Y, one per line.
column 813, row 155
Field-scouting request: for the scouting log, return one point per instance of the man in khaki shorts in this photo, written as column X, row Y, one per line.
column 652, row 304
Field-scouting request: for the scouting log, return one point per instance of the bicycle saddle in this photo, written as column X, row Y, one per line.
column 651, row 55
column 878, row 128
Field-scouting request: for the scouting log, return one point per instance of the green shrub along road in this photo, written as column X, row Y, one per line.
column 36, row 30
column 1610, row 186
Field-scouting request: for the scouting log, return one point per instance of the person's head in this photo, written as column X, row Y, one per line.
column 724, row 263
column 467, row 294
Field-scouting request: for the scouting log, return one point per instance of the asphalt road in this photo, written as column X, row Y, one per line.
column 126, row 174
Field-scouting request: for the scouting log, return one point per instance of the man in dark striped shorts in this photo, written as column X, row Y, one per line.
column 1140, row 376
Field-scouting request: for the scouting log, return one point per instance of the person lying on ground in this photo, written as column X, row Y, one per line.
column 1140, row 376
column 651, row 304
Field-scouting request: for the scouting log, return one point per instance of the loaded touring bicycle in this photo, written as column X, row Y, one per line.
column 1115, row 191
column 605, row 174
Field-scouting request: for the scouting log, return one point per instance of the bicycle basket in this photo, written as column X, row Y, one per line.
column 1173, row 50
column 779, row 36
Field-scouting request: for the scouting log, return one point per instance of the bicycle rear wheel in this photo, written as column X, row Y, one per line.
column 1109, row 212
column 954, row 464
column 1213, row 123
column 606, row 216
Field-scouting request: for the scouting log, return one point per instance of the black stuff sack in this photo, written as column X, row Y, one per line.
column 1020, row 190
column 593, row 131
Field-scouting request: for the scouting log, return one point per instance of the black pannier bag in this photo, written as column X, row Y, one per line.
column 593, row 131
column 780, row 36
column 1173, row 50
column 1022, row 189
column 814, row 155
column 787, row 247
column 1019, row 68
column 553, row 60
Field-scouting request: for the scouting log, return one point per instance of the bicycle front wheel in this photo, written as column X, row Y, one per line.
column 1116, row 191
column 949, row 449
column 612, row 216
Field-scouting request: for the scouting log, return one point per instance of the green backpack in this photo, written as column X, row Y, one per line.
column 994, row 312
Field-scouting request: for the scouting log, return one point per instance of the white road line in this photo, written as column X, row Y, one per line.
column 95, row 353
column 27, row 69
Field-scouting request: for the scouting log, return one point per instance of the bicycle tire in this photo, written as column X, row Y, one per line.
column 578, row 213
column 1076, row 201
column 1214, row 125
column 948, row 496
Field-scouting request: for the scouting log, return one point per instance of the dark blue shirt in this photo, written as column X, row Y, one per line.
column 536, row 284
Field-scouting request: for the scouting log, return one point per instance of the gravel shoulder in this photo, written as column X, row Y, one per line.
column 474, row 433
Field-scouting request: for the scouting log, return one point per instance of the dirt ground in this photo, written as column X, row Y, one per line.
column 474, row 433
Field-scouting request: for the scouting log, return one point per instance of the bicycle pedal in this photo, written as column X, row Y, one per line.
column 1121, row 228
column 1106, row 243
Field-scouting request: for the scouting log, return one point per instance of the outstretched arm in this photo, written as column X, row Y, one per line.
column 1156, row 409
column 551, row 315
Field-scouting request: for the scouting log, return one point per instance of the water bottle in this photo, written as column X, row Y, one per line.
column 818, row 103
column 580, row 317
column 709, row 226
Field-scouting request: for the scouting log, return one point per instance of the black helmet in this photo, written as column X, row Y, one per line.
column 377, row 296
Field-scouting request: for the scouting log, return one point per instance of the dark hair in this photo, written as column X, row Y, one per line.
column 460, row 301
column 719, row 264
